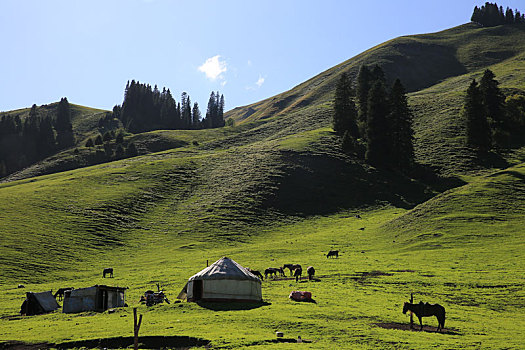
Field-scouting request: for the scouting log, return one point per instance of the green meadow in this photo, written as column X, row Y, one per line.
column 276, row 189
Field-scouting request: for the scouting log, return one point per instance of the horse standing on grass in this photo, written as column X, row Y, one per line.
column 333, row 253
column 107, row 271
column 291, row 267
column 297, row 274
column 270, row 271
column 425, row 309
column 311, row 272
column 256, row 273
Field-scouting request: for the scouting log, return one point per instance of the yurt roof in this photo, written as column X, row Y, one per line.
column 224, row 269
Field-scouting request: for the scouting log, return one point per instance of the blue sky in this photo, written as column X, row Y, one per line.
column 248, row 50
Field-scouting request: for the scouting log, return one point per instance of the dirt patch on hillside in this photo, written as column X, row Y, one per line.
column 406, row 327
column 148, row 342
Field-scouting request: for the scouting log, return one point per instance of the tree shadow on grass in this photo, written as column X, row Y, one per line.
column 231, row 306
column 148, row 342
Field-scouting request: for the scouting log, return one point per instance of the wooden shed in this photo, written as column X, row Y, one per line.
column 96, row 298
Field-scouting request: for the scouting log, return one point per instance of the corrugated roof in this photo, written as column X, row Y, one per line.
column 224, row 269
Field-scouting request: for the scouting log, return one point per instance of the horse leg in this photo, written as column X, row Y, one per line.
column 421, row 322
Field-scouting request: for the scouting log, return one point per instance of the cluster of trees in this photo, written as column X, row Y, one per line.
column 113, row 146
column 380, row 126
column 146, row 109
column 490, row 15
column 43, row 132
column 492, row 121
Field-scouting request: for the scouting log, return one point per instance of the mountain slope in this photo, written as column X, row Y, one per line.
column 420, row 61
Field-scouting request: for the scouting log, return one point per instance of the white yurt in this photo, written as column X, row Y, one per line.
column 224, row 280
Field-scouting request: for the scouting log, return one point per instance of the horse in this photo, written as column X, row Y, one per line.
column 281, row 271
column 333, row 253
column 425, row 309
column 291, row 267
column 256, row 273
column 107, row 271
column 297, row 273
column 60, row 292
column 311, row 272
column 270, row 271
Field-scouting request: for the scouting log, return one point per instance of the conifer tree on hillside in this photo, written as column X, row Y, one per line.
column 478, row 130
column 345, row 113
column 490, row 15
column 363, row 86
column 377, row 128
column 196, row 115
column 46, row 139
column 402, row 134
column 493, row 102
column 65, row 137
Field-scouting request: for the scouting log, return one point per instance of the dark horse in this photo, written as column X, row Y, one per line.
column 425, row 309
column 291, row 267
column 107, row 271
column 297, row 273
column 333, row 253
column 61, row 291
column 311, row 272
column 256, row 273
column 270, row 271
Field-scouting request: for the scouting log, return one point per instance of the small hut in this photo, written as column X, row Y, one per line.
column 96, row 298
column 224, row 280
column 38, row 303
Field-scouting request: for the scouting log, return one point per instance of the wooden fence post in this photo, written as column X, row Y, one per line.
column 411, row 315
column 136, row 327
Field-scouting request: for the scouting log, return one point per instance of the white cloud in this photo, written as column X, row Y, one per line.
column 214, row 67
column 257, row 84
column 249, row 63
column 260, row 81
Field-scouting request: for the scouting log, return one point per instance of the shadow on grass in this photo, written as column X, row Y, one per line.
column 148, row 342
column 232, row 306
column 406, row 327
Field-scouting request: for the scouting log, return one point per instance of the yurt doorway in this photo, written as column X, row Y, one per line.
column 197, row 290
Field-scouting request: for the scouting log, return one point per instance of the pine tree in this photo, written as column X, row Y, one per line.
column 478, row 130
column 493, row 103
column 363, row 87
column 46, row 139
column 196, row 115
column 377, row 131
column 402, row 134
column 211, row 112
column 65, row 137
column 345, row 113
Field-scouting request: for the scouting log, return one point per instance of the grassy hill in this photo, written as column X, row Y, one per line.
column 276, row 189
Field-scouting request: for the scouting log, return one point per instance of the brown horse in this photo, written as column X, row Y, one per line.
column 425, row 309
column 311, row 272
column 61, row 291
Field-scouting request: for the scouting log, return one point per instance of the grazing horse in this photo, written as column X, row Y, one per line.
column 60, row 293
column 311, row 272
column 107, row 271
column 333, row 253
column 422, row 310
column 270, row 271
column 281, row 271
column 297, row 273
column 291, row 267
column 256, row 273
